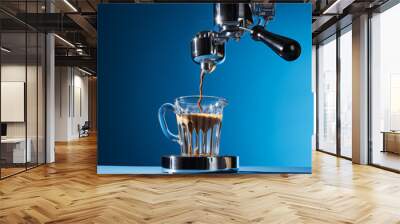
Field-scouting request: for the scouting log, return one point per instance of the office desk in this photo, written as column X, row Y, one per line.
column 391, row 141
column 13, row 150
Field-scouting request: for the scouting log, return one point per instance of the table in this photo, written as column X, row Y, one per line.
column 391, row 141
column 13, row 150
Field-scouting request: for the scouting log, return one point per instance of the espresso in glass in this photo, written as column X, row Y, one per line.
column 199, row 133
column 199, row 128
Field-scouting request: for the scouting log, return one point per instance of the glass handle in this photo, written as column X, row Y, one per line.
column 164, row 127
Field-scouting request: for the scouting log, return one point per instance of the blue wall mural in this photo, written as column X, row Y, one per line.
column 144, row 61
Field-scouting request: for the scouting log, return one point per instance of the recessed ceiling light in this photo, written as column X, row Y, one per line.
column 337, row 7
column 64, row 40
column 5, row 50
column 84, row 71
column 70, row 5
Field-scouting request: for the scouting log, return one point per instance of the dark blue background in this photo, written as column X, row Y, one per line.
column 144, row 61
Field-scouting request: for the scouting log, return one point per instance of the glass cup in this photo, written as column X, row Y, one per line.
column 199, row 128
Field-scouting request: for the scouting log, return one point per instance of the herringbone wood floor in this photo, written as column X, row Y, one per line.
column 69, row 191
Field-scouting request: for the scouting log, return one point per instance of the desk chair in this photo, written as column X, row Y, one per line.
column 84, row 130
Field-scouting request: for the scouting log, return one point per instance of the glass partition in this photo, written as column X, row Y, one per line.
column 31, row 100
column 22, row 77
column 14, row 153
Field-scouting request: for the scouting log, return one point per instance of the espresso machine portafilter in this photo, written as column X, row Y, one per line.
column 207, row 50
column 232, row 21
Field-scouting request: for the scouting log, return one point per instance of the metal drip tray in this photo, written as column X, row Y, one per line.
column 200, row 164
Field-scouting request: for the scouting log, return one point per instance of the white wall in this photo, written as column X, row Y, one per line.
column 16, row 72
column 62, row 81
column 71, row 102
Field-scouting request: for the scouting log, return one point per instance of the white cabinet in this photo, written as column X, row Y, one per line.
column 19, row 155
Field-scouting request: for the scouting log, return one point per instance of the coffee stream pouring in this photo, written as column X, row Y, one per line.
column 232, row 21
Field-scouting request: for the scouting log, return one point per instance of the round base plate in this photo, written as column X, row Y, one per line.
column 200, row 164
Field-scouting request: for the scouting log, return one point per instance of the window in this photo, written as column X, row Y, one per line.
column 327, row 95
column 385, row 89
column 346, row 92
column 335, row 74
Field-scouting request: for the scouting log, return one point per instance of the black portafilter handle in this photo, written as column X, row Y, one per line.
column 285, row 47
